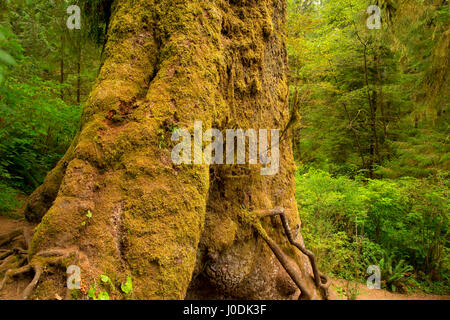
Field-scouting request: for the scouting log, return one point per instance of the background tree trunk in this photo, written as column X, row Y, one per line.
column 177, row 230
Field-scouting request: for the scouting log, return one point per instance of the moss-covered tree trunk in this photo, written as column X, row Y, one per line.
column 178, row 231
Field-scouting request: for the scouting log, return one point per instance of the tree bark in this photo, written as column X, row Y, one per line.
column 178, row 231
column 79, row 70
column 61, row 65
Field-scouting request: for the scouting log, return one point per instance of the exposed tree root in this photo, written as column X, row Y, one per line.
column 15, row 257
column 322, row 281
column 8, row 263
column 60, row 253
column 12, row 258
column 286, row 263
column 6, row 238
column 53, row 257
column 5, row 253
column 29, row 289
column 20, row 251
column 22, row 270
column 14, row 272
column 14, row 261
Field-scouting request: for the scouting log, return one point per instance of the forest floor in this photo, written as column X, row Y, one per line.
column 13, row 290
column 362, row 292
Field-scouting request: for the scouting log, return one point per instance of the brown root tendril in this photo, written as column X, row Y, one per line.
column 14, row 262
column 322, row 281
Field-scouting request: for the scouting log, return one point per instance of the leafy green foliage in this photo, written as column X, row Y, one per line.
column 394, row 276
column 107, row 284
column 8, row 200
column 39, row 112
column 374, row 131
column 38, row 128
column 102, row 295
column 127, row 288
column 374, row 101
column 105, row 278
column 350, row 290
column 353, row 223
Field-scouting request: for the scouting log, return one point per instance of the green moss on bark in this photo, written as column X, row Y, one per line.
column 170, row 63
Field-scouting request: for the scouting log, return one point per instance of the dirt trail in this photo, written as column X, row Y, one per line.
column 364, row 293
column 13, row 289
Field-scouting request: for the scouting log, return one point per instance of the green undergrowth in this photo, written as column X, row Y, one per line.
column 400, row 225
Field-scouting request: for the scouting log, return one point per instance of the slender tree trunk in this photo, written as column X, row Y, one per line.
column 372, row 101
column 79, row 71
column 355, row 136
column 353, row 130
column 380, row 96
column 176, row 230
column 61, row 65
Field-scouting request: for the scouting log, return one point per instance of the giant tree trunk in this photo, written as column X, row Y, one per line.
column 178, row 231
